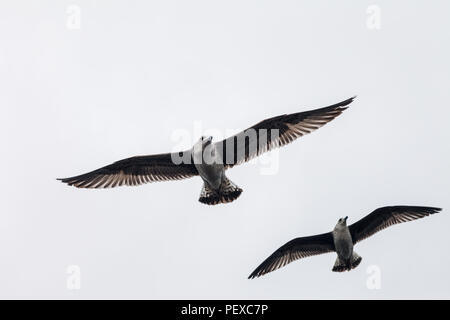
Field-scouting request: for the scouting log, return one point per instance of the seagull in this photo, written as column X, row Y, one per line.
column 342, row 239
column 210, row 160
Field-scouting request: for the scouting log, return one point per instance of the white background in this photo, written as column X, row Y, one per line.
column 74, row 100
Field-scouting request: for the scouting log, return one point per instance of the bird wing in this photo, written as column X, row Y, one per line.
column 258, row 139
column 384, row 217
column 293, row 250
column 137, row 170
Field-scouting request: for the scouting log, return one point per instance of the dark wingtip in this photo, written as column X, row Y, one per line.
column 347, row 102
column 252, row 276
column 258, row 272
column 430, row 210
column 68, row 181
column 340, row 106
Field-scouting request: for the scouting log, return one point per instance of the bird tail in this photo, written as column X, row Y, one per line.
column 227, row 192
column 341, row 266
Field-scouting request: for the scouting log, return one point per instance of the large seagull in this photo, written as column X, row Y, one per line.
column 342, row 239
column 210, row 160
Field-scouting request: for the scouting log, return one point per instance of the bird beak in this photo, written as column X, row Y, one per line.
column 346, row 219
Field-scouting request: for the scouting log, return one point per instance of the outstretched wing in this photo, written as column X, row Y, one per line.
column 260, row 138
column 293, row 250
column 384, row 217
column 135, row 171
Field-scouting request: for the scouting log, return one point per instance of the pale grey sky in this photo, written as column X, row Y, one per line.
column 73, row 100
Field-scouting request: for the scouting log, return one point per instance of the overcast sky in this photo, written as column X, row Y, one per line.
column 83, row 86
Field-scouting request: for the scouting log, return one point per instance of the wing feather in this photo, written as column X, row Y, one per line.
column 136, row 171
column 260, row 138
column 385, row 217
column 293, row 250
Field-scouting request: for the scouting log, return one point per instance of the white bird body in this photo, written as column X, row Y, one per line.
column 208, row 162
column 343, row 241
column 347, row 259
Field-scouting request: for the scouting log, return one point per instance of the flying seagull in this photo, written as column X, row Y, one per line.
column 210, row 160
column 342, row 239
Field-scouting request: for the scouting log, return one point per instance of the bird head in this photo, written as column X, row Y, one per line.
column 342, row 222
column 205, row 140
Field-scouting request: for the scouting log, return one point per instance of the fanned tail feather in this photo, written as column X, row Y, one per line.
column 227, row 192
column 341, row 266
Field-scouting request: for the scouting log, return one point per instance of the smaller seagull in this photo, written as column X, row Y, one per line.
column 342, row 239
